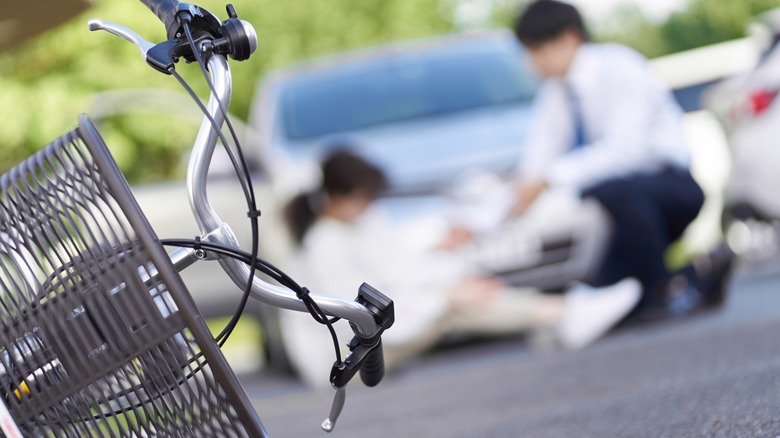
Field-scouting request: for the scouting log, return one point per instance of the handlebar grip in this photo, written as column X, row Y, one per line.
column 373, row 368
column 165, row 10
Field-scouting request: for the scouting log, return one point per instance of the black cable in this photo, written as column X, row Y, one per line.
column 228, row 329
column 242, row 171
column 213, row 122
column 137, row 388
column 252, row 258
column 239, row 151
column 195, row 363
column 276, row 274
column 250, row 195
column 220, row 105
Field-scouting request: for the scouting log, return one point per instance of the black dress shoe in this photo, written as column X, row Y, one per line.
column 674, row 298
column 715, row 276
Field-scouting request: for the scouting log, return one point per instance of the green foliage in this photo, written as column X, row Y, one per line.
column 700, row 23
column 47, row 83
column 711, row 21
column 629, row 26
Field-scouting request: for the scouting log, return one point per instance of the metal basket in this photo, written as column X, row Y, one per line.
column 99, row 334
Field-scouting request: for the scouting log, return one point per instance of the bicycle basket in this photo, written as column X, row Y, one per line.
column 99, row 335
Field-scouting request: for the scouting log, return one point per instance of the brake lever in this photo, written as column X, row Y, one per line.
column 160, row 56
column 335, row 409
column 234, row 38
column 123, row 32
column 361, row 348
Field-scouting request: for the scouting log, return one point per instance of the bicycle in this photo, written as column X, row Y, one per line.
column 99, row 334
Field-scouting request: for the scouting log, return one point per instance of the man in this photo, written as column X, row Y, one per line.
column 608, row 129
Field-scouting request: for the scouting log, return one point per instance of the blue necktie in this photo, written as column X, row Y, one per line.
column 579, row 139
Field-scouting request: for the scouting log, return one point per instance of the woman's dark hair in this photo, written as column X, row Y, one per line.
column 545, row 20
column 343, row 173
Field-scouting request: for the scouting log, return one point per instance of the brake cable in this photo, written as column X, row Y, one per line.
column 243, row 174
column 272, row 271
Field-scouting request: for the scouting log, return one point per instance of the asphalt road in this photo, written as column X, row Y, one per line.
column 709, row 375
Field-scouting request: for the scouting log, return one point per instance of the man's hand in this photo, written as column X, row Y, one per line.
column 456, row 237
column 526, row 194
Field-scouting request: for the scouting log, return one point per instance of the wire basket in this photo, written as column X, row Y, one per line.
column 99, row 335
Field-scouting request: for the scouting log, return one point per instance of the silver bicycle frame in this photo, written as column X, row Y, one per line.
column 216, row 230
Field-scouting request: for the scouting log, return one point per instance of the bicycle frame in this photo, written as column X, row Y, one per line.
column 99, row 298
column 97, row 325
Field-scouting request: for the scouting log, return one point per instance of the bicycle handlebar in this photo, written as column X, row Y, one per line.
column 210, row 224
column 165, row 10
column 372, row 312
column 373, row 369
column 369, row 315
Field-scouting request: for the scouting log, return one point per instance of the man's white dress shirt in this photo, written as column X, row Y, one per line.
column 631, row 122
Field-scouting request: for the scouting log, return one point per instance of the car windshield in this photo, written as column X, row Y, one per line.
column 330, row 103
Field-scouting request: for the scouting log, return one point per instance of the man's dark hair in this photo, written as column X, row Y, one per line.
column 545, row 20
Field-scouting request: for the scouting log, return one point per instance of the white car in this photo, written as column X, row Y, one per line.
column 746, row 105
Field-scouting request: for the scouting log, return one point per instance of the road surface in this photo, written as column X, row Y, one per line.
column 710, row 375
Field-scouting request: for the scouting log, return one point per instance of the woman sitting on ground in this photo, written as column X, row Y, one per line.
column 342, row 242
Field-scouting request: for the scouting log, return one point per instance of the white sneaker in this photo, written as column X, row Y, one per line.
column 591, row 312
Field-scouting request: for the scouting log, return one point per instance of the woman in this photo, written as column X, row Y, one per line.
column 342, row 242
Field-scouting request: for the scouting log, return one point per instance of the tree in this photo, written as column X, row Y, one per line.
column 47, row 83
column 705, row 22
column 628, row 25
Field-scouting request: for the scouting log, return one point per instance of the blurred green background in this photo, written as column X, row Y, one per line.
column 46, row 83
